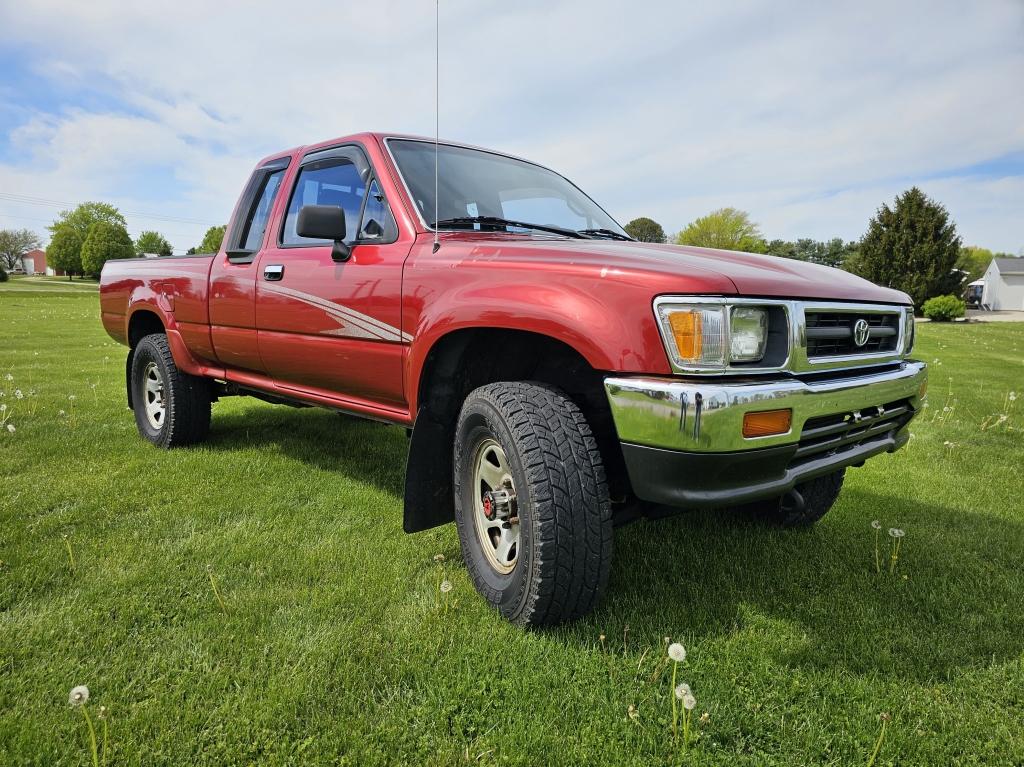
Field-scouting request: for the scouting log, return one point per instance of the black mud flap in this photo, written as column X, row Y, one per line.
column 128, row 377
column 429, row 499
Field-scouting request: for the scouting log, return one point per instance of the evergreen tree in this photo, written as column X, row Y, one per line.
column 912, row 247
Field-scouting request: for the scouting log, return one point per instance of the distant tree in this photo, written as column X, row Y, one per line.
column 212, row 239
column 104, row 242
column 77, row 222
column 646, row 230
column 65, row 251
column 725, row 228
column 975, row 261
column 14, row 244
column 912, row 247
column 153, row 242
column 191, row 252
column 832, row 252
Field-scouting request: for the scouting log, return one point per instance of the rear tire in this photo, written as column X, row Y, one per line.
column 171, row 408
column 819, row 496
column 550, row 565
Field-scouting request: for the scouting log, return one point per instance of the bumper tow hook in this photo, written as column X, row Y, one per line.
column 793, row 502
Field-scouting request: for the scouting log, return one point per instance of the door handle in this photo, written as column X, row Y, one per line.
column 273, row 272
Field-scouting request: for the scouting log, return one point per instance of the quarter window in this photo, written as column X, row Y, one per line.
column 259, row 214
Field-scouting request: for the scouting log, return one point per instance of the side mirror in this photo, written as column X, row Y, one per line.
column 325, row 222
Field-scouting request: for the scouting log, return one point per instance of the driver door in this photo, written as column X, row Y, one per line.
column 326, row 327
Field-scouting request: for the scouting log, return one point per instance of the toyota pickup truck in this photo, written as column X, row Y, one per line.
column 555, row 376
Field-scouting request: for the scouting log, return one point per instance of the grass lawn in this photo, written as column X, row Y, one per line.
column 337, row 647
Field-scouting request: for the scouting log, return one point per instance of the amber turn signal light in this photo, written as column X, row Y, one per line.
column 687, row 329
column 767, row 422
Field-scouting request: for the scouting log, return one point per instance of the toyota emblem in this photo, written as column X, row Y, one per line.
column 861, row 332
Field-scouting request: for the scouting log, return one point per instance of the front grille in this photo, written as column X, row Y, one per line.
column 841, row 432
column 831, row 333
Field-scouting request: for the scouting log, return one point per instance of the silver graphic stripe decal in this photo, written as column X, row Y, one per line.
column 353, row 324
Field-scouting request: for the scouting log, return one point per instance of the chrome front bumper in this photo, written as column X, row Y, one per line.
column 707, row 416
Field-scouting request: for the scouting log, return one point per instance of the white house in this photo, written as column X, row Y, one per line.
column 1004, row 284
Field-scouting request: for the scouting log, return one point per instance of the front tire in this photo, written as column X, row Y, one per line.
column 819, row 496
column 531, row 503
column 171, row 408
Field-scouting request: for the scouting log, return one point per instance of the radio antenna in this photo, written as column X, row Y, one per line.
column 437, row 109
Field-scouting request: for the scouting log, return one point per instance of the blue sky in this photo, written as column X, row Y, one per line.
column 809, row 116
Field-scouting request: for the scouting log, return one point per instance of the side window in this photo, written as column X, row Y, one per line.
column 251, row 237
column 378, row 224
column 335, row 183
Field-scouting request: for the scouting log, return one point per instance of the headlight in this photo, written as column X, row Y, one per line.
column 712, row 336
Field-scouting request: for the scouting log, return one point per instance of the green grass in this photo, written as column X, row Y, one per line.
column 337, row 649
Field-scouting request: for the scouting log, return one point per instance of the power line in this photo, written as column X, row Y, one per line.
column 28, row 200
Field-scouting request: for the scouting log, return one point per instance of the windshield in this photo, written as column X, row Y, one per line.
column 476, row 184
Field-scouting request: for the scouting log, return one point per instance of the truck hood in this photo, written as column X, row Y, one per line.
column 678, row 267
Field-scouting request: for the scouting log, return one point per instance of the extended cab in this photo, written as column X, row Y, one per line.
column 557, row 376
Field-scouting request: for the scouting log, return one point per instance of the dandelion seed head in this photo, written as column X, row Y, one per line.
column 705, row 718
column 10, row 428
column 446, row 586
column 72, row 397
column 3, row 407
column 682, row 690
column 439, row 557
column 876, row 524
column 102, row 713
column 601, row 638
column 885, row 716
column 1013, row 396
column 895, row 532
column 677, row 652
column 78, row 696
column 689, row 702
column 18, row 394
column 9, row 377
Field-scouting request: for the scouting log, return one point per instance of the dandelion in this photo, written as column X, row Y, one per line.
column 632, row 714
column 878, row 561
column 77, row 698
column 3, row 408
column 446, row 586
column 1012, row 396
column 689, row 702
column 18, row 394
column 9, row 377
column 677, row 653
column 103, row 715
column 878, row 743
column 71, row 556
column 705, row 718
column 682, row 690
column 439, row 557
column 216, row 591
column 10, row 428
column 896, row 534
column 61, row 413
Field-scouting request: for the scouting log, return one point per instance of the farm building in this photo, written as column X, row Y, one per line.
column 34, row 262
column 1004, row 285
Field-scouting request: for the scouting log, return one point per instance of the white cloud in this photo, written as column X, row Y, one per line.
column 808, row 116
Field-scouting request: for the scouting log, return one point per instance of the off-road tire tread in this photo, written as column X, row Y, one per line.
column 572, row 554
column 188, row 412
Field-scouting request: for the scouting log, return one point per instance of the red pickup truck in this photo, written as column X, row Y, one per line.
column 556, row 377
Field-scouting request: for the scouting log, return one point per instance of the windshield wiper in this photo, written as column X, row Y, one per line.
column 609, row 233
column 498, row 221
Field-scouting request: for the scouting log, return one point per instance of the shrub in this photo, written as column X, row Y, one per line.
column 943, row 308
column 3, row 275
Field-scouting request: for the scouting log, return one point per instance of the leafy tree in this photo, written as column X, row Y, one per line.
column 913, row 247
column 212, row 239
column 833, row 252
column 725, row 228
column 153, row 242
column 77, row 222
column 14, row 244
column 191, row 252
column 646, row 230
column 104, row 242
column 975, row 261
column 65, row 251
